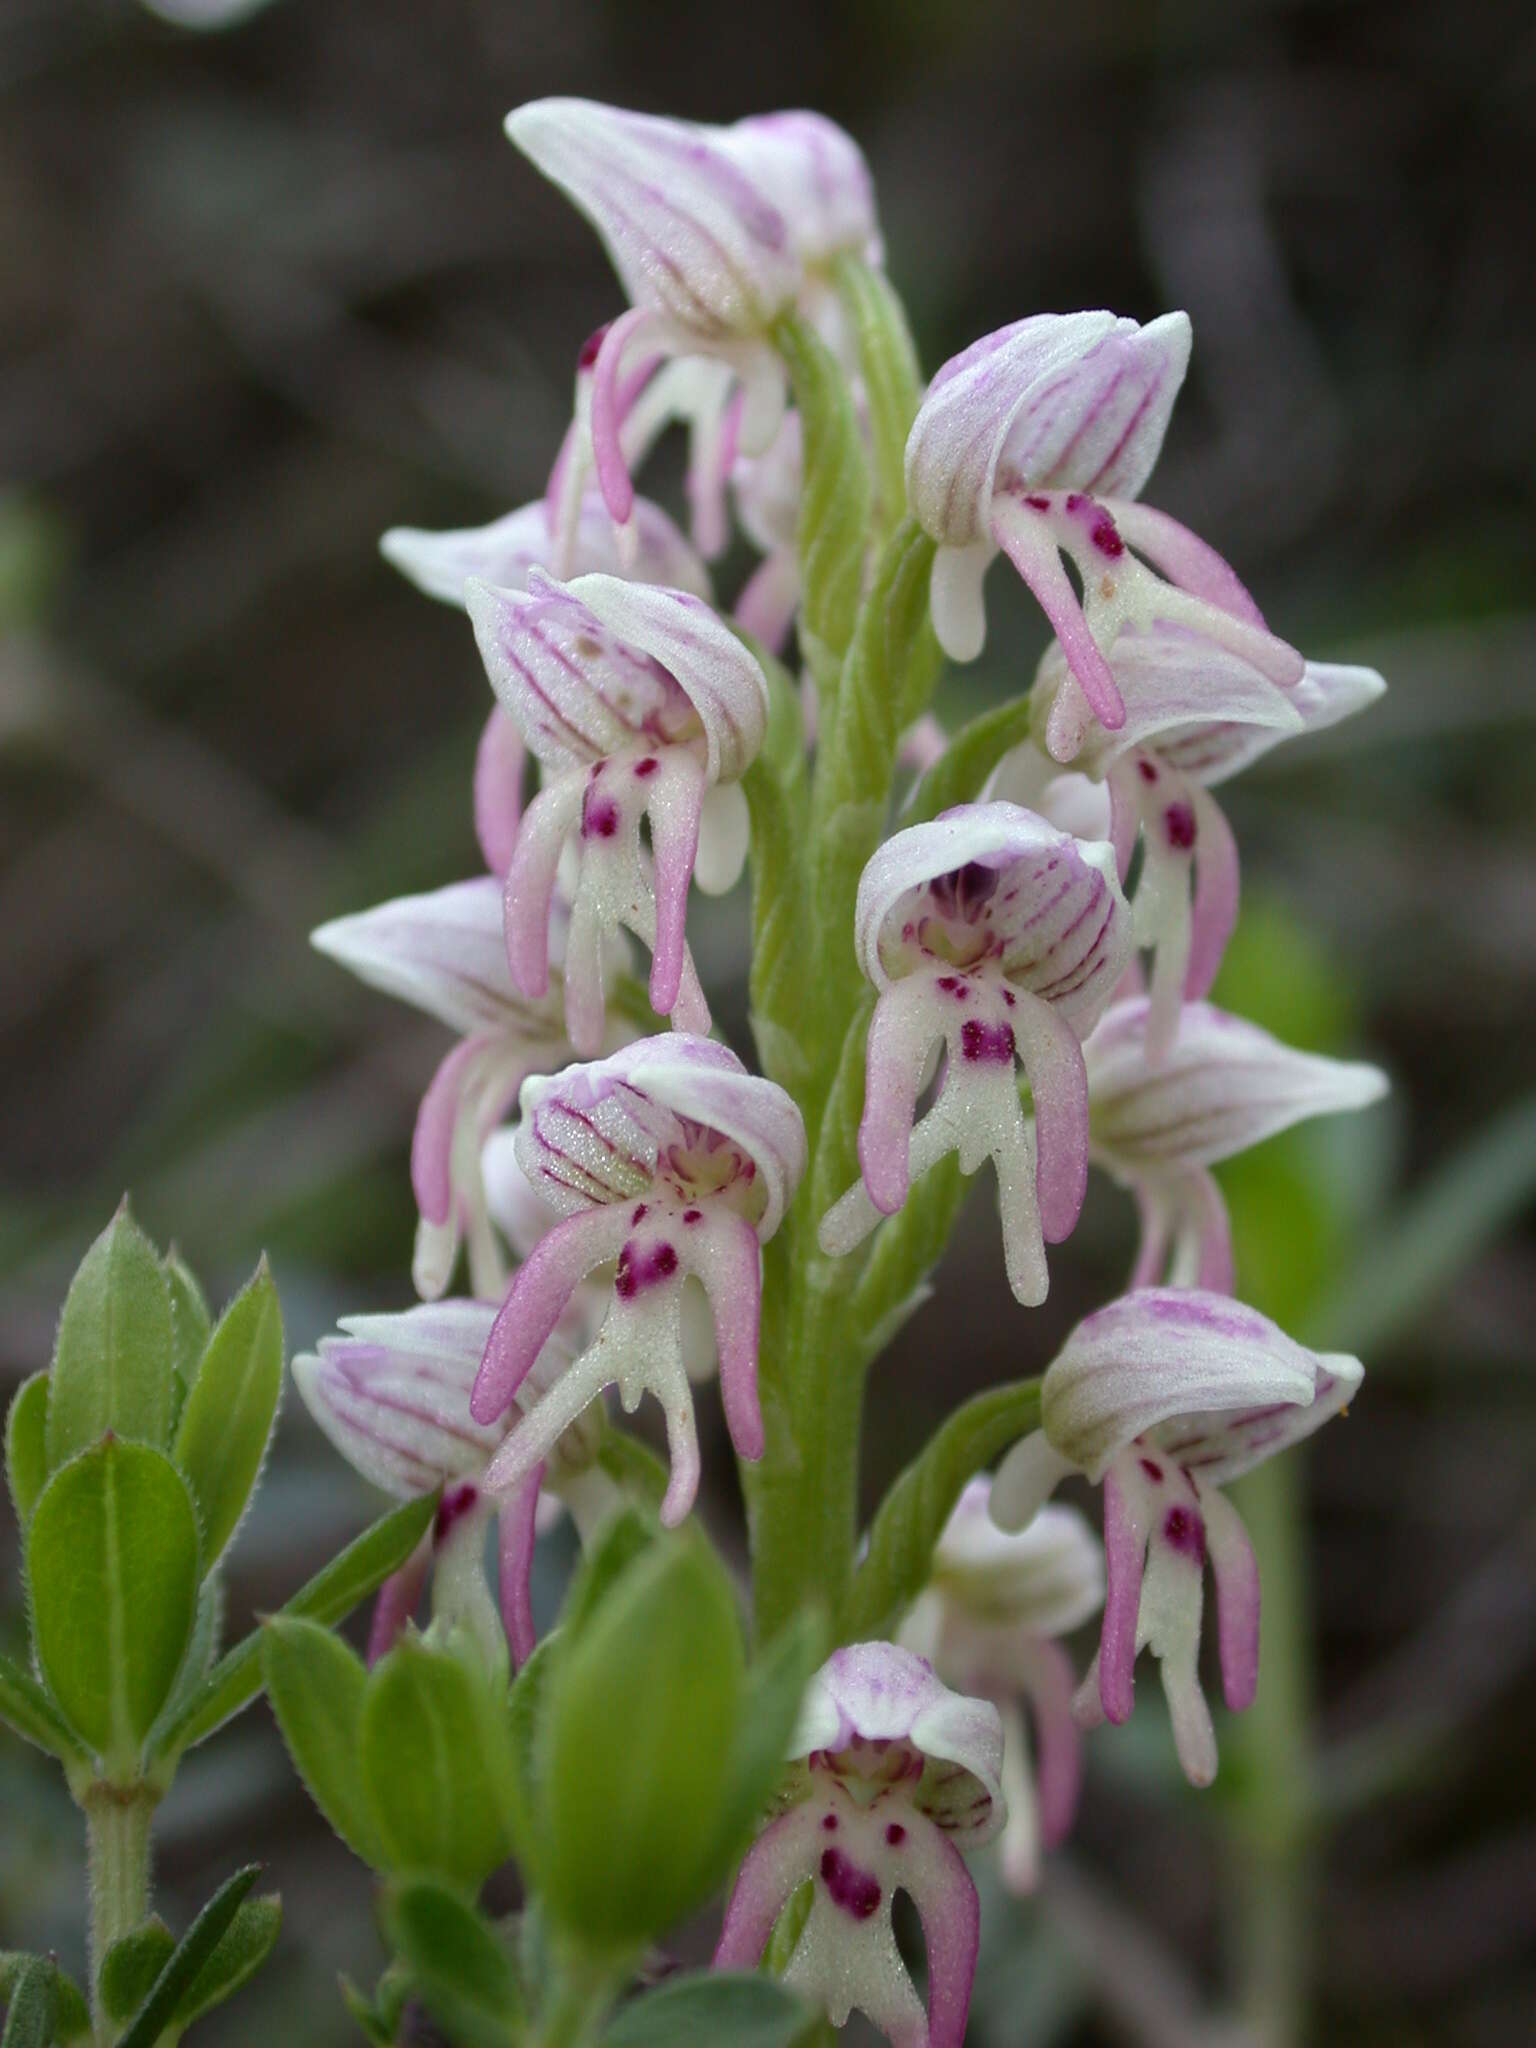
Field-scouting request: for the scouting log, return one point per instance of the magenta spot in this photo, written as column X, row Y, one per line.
column 990, row 1042
column 640, row 1213
column 1146, row 769
column 599, row 820
column 1075, row 501
column 1106, row 538
column 641, row 1269
column 895, row 1834
column 693, row 1215
column 952, row 985
column 451, row 1510
column 1183, row 1530
column 1153, row 1471
column 856, row 1891
column 1179, row 824
column 647, row 767
column 1009, row 997
column 1036, row 503
column 829, row 1822
column 591, row 348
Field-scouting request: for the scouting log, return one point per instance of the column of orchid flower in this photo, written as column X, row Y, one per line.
column 935, row 984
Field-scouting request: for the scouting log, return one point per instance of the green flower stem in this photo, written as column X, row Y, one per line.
column 583, row 1998
column 117, row 1829
column 1271, row 1755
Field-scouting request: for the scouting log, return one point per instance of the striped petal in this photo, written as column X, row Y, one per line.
column 504, row 552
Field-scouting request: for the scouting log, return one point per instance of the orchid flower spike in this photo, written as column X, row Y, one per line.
column 714, row 233
column 445, row 953
column 991, row 931
column 1159, row 1127
column 640, row 704
column 1195, row 715
column 1164, row 1397
column 392, row 1394
column 987, row 1621
column 1037, row 440
column 671, row 1159
column 767, row 490
column 893, row 1775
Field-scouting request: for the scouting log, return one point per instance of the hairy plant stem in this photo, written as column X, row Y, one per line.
column 117, row 1832
column 582, row 2000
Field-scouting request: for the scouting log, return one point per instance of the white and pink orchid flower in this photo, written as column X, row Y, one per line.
column 1037, row 440
column 767, row 490
column 1195, row 715
column 987, row 1621
column 392, row 1394
column 1164, row 1397
column 445, row 953
column 1158, row 1126
column 893, row 1775
column 641, row 705
column 714, row 233
column 988, row 931
column 666, row 1160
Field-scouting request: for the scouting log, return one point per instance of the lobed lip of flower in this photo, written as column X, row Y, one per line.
column 881, row 1696
column 1057, row 948
column 611, row 1106
column 1047, row 1577
column 691, row 233
column 1163, row 1355
column 503, row 553
column 588, row 666
column 444, row 952
column 1225, row 1084
column 1070, row 401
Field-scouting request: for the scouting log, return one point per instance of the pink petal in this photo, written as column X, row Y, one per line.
column 728, row 1263
column 1029, row 543
column 541, row 1288
column 1053, row 1061
column 1152, row 1252
column 677, row 795
column 766, row 606
column 1217, row 1271
column 1236, row 1571
column 1125, row 1552
column 436, row 1122
column 607, row 417
column 1058, row 1743
column 1184, row 559
column 781, row 1858
column 935, row 1877
column 498, row 790
column 517, row 1517
column 901, row 1031
column 1216, row 887
column 530, row 885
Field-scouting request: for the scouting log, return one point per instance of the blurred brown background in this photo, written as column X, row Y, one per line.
column 266, row 291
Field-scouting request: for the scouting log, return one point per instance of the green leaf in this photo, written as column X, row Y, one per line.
column 191, row 1324
column 436, row 1758
column 968, row 759
column 193, row 1951
column 635, row 1748
column 26, row 1447
column 112, row 1566
column 112, row 1364
column 626, row 1537
column 893, row 381
column 834, row 500
column 238, row 1954
column 526, row 1704
column 226, row 1422
column 316, row 1686
column 634, row 1467
column 913, row 1513
column 462, row 1972
column 130, row 1967
column 29, row 2021
column 71, row 2017
column 726, row 2010
column 776, row 1685
column 27, row 1709
column 329, row 1597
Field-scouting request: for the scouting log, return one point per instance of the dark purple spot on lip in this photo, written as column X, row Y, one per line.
column 952, row 985
column 693, row 1215
column 647, row 767
column 591, row 348
column 1179, row 824
column 1146, row 769
column 1106, row 538
column 993, row 1042
column 639, row 1270
column 1036, row 503
column 829, row 1822
column 1153, row 1472
column 895, row 1834
column 599, row 820
column 856, row 1891
column 1183, row 1530
column 452, row 1509
column 1075, row 501
column 640, row 1213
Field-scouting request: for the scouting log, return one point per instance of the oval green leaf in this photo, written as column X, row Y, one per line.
column 26, row 1447
column 113, row 1569
column 461, row 1970
column 113, row 1363
column 724, row 2009
column 316, row 1684
column 226, row 1422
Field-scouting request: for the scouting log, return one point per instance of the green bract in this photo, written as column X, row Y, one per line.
column 113, row 1362
column 229, row 1410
